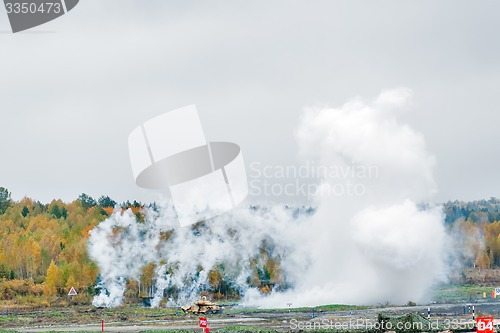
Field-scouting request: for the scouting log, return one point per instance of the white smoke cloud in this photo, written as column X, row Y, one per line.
column 379, row 246
column 468, row 243
column 383, row 245
column 120, row 246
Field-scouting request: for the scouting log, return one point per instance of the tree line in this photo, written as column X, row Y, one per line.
column 43, row 248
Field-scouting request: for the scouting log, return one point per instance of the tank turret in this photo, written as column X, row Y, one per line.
column 202, row 306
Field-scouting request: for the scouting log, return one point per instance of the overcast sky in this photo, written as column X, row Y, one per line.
column 72, row 90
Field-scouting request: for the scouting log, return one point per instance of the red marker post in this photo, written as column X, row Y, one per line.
column 102, row 325
column 484, row 325
column 203, row 324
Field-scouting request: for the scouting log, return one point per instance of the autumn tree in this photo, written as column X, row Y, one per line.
column 4, row 273
column 52, row 281
column 214, row 279
column 71, row 283
column 147, row 278
column 34, row 255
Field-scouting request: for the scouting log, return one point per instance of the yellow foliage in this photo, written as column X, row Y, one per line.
column 71, row 283
column 86, row 230
column 53, row 280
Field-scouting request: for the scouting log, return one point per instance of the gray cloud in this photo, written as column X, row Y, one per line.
column 73, row 89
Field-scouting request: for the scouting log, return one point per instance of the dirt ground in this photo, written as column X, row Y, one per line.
column 121, row 320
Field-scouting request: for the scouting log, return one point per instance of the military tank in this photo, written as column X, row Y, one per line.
column 202, row 306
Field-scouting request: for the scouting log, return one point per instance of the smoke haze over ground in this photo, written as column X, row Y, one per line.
column 372, row 239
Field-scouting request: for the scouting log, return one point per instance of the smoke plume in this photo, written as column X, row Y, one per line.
column 382, row 242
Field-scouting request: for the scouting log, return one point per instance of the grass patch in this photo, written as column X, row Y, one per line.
column 331, row 307
column 246, row 329
column 6, row 319
column 465, row 292
column 228, row 329
column 343, row 307
column 170, row 331
column 4, row 331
